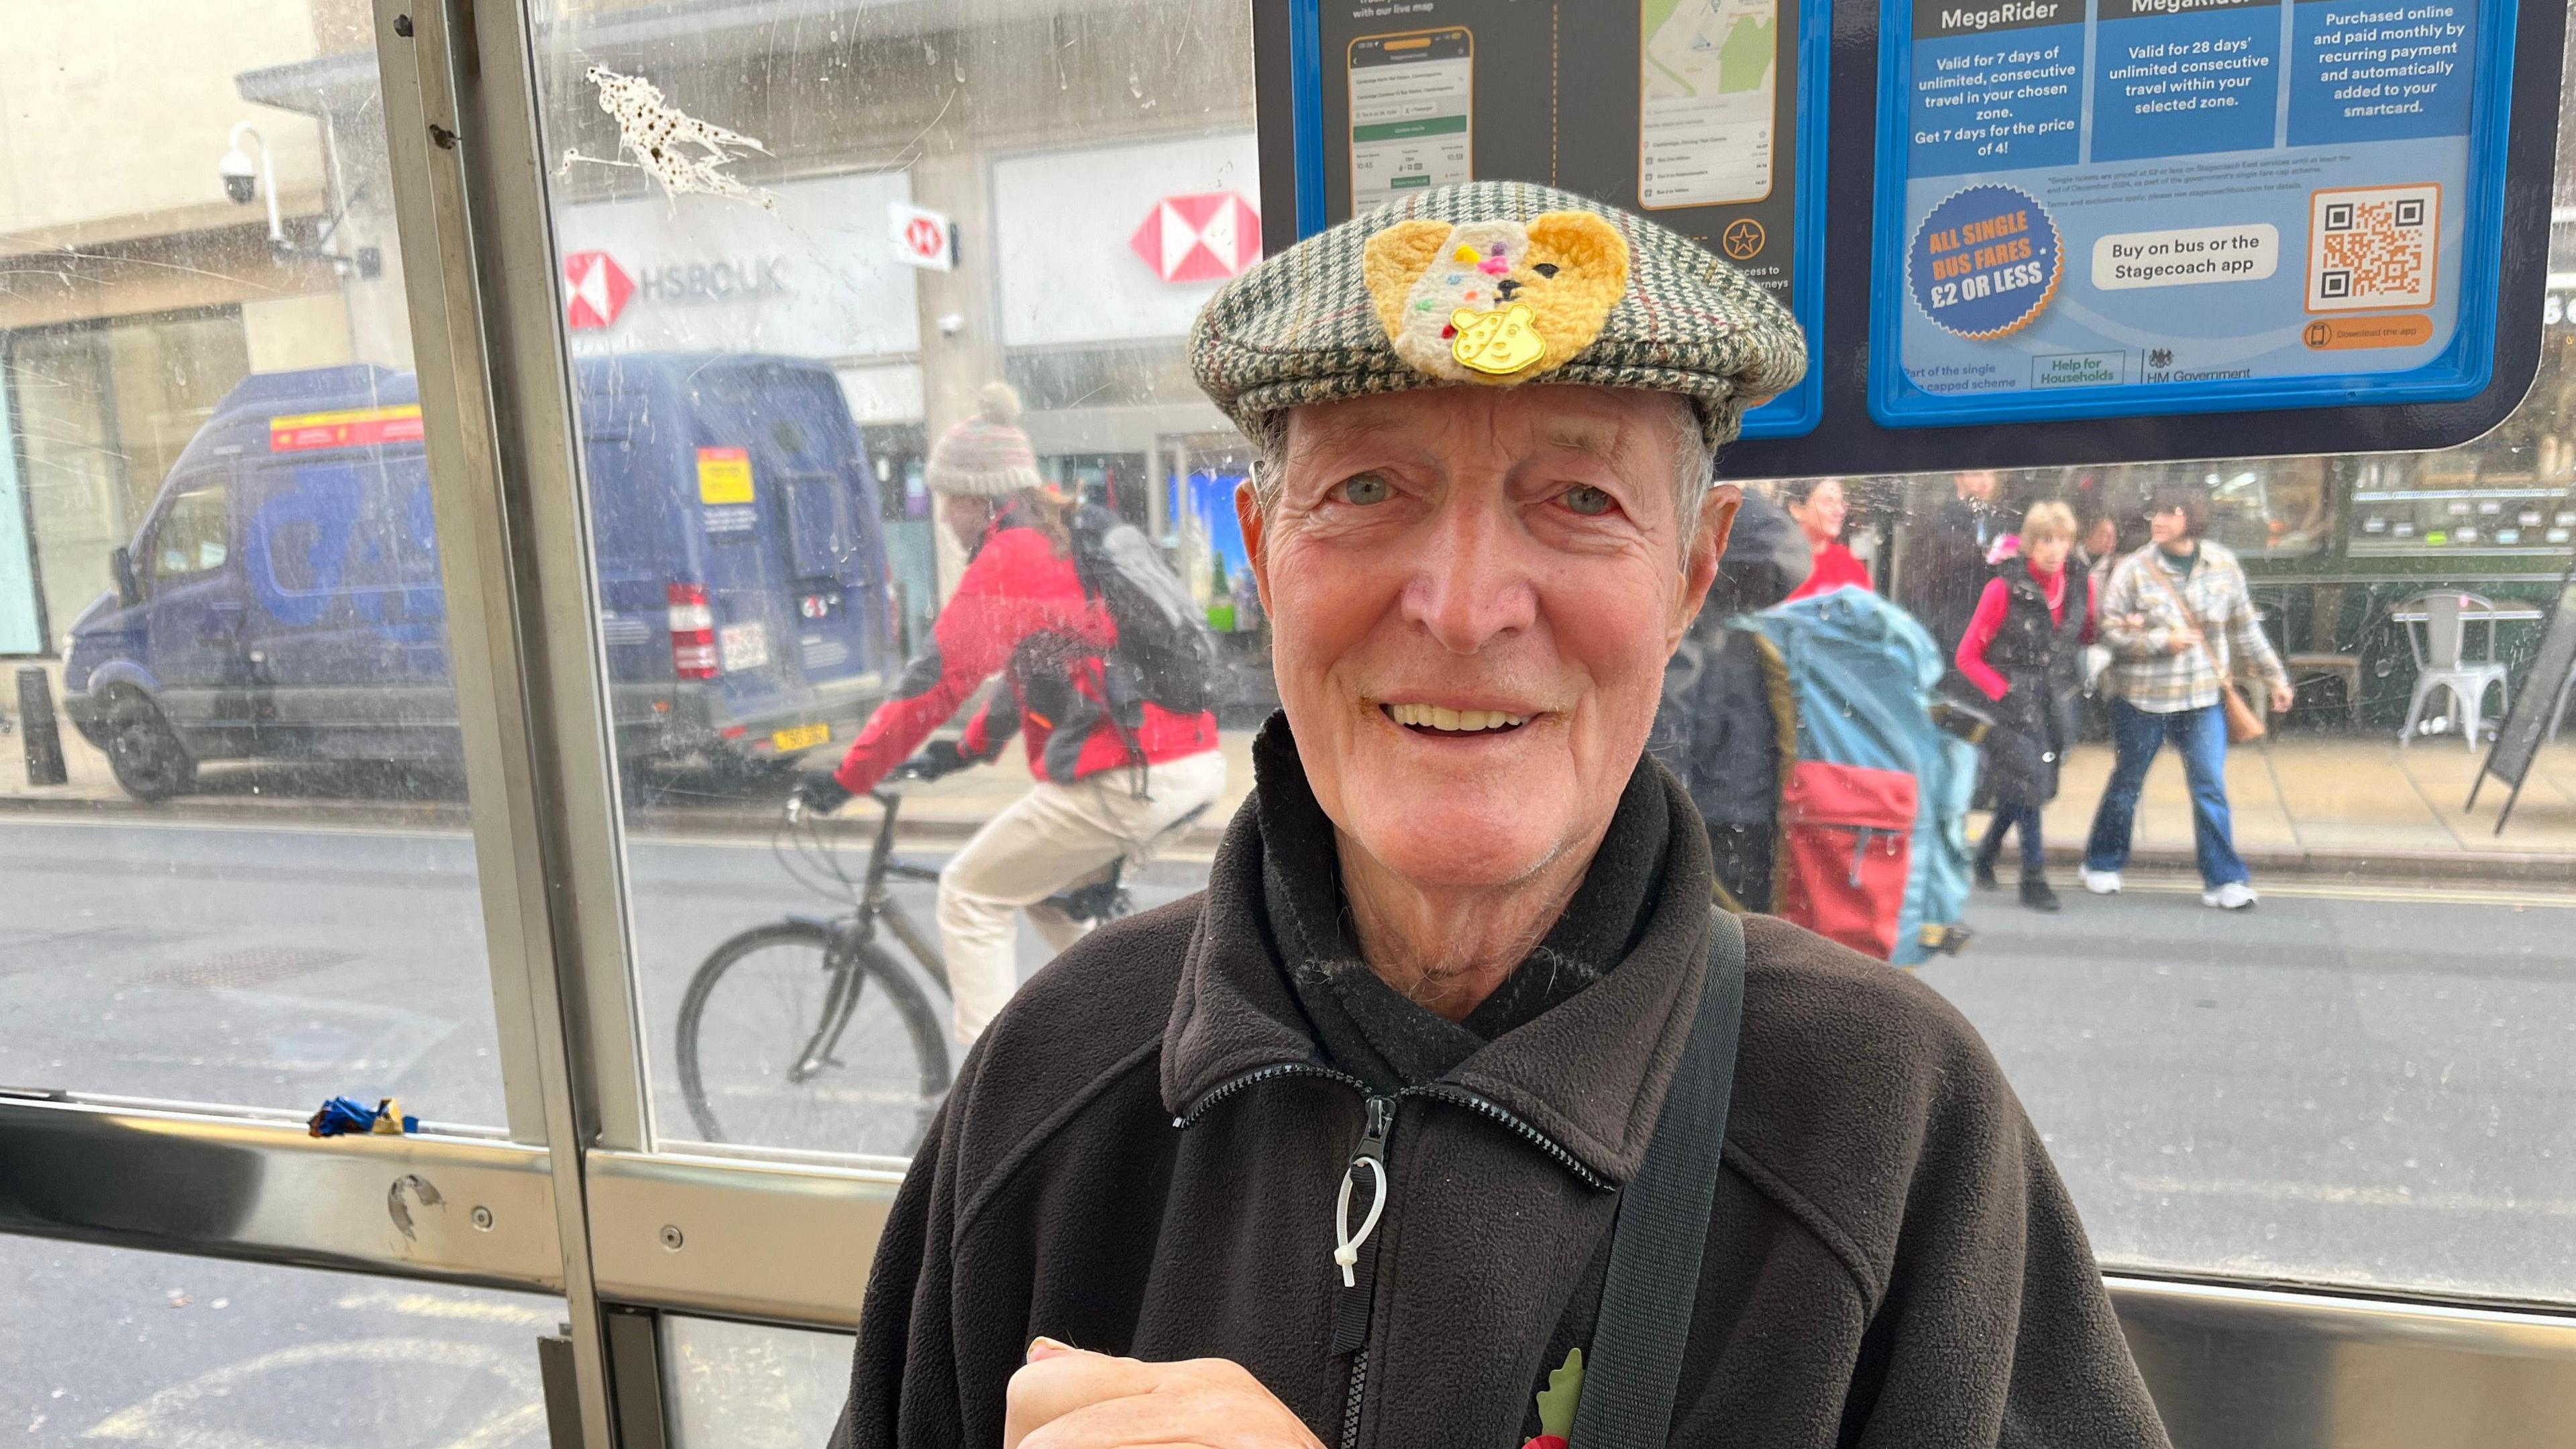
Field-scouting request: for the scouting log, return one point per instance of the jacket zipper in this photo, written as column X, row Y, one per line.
column 1460, row 1096
column 1359, row 1273
column 1371, row 1154
column 1352, row 1261
column 1273, row 1072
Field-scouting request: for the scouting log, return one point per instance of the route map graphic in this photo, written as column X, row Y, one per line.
column 1706, row 106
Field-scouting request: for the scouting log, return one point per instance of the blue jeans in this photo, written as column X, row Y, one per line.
column 2025, row 818
column 2200, row 737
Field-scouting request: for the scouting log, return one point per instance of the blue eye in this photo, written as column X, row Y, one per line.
column 1364, row 489
column 1588, row 500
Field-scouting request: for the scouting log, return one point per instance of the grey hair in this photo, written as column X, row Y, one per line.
column 1694, row 466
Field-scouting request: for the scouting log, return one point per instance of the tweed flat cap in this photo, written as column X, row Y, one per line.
column 1494, row 283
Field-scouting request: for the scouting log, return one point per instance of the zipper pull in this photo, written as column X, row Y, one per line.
column 1371, row 1154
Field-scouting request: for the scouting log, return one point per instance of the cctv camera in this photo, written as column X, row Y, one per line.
column 241, row 183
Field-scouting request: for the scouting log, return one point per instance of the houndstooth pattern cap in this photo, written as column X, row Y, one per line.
column 1303, row 327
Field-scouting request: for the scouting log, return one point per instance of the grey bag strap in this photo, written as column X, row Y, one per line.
column 1634, row 1366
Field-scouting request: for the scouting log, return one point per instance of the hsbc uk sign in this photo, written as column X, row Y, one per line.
column 598, row 288
column 1204, row 236
column 733, row 279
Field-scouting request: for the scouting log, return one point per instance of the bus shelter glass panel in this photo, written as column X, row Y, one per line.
column 106, row 1346
column 235, row 867
column 728, row 1385
column 820, row 281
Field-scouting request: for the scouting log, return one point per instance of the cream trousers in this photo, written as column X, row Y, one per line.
column 1051, row 839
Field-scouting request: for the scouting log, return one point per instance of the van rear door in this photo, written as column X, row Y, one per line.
column 762, row 682
column 837, row 593
column 637, row 545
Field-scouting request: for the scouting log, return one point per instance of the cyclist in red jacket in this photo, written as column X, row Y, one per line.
column 1114, row 775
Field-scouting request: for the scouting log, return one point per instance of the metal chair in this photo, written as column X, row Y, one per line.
column 2439, row 664
column 2344, row 669
column 2302, row 668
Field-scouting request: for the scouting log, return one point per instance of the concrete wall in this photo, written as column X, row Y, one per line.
column 292, row 332
column 116, row 112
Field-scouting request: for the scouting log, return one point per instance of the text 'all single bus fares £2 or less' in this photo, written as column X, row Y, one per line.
column 2091, row 207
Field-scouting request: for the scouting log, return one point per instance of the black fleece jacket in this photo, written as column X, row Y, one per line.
column 1141, row 1157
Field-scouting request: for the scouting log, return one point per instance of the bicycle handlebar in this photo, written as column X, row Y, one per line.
column 887, row 800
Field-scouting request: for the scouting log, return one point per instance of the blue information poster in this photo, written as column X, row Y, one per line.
column 2089, row 208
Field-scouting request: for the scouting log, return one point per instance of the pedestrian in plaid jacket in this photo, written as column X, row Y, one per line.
column 2176, row 614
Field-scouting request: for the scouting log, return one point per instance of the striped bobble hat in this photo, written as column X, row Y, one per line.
column 986, row 455
column 1490, row 284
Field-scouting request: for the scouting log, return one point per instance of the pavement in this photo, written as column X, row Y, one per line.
column 2345, row 805
column 2304, row 802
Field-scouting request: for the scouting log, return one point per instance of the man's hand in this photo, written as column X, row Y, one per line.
column 1065, row 1398
column 819, row 793
column 939, row 757
column 2283, row 696
column 2183, row 641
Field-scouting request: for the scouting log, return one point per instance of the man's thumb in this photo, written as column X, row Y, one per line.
column 1043, row 1347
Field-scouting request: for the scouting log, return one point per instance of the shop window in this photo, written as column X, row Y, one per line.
column 98, row 412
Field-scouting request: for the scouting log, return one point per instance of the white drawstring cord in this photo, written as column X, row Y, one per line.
column 1347, row 1251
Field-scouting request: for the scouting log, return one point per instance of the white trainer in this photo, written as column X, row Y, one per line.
column 2102, row 882
column 2236, row 895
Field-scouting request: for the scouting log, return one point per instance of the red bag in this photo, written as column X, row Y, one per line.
column 1846, row 845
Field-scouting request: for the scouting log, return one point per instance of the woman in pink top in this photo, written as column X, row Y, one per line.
column 1819, row 507
column 2025, row 649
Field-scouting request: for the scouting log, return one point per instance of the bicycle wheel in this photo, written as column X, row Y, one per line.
column 783, row 1045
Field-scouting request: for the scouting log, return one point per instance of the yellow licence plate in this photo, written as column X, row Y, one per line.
column 802, row 737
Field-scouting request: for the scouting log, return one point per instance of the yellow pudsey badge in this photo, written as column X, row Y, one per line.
column 1495, row 301
column 1497, row 342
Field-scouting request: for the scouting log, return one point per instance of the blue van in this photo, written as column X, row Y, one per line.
column 281, row 598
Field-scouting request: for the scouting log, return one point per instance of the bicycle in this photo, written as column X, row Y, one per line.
column 813, row 974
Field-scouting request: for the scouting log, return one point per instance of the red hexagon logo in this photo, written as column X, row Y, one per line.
column 596, row 290
column 1205, row 236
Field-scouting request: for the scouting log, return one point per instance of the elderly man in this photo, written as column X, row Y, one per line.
column 1407, row 1131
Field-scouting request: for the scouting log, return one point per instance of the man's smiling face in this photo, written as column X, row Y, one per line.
column 1473, row 594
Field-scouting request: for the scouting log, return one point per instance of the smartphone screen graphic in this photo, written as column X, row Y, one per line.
column 1411, row 99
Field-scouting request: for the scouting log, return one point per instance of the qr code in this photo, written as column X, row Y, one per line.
column 2371, row 248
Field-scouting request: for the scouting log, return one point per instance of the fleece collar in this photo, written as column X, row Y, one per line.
column 1589, row 1073
column 1367, row 1026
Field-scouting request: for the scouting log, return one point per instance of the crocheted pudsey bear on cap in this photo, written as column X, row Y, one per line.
column 1495, row 301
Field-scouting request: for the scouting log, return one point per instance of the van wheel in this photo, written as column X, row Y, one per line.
column 144, row 752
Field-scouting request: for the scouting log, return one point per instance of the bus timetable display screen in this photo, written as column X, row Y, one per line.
column 1411, row 113
column 2110, row 207
column 1708, row 94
